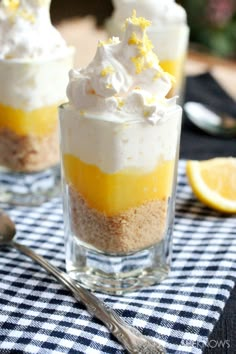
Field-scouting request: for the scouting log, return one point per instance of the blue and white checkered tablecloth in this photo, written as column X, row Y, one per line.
column 37, row 315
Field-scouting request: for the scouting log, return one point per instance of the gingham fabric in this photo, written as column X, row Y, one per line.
column 37, row 315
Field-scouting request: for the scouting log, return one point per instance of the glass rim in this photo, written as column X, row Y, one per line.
column 156, row 25
column 176, row 108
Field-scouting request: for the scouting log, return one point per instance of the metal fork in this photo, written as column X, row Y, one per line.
column 128, row 336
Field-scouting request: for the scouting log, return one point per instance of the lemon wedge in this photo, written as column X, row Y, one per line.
column 214, row 182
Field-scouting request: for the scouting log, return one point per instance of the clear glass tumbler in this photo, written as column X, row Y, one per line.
column 29, row 139
column 118, row 223
column 171, row 45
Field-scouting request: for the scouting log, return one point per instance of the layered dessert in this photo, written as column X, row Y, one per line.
column 119, row 145
column 169, row 32
column 34, row 65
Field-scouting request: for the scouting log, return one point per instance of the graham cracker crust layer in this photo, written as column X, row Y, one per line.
column 133, row 230
column 28, row 153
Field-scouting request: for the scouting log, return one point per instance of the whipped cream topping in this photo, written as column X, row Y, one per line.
column 30, row 85
column 26, row 30
column 114, row 147
column 124, row 80
column 159, row 12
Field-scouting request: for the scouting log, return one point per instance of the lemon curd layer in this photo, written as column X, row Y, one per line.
column 40, row 122
column 114, row 193
column 175, row 68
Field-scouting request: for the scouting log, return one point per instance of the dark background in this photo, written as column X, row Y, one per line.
column 64, row 9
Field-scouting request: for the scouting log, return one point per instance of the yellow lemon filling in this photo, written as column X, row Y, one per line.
column 114, row 193
column 175, row 68
column 40, row 122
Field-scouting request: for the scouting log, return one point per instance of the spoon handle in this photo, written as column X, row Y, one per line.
column 131, row 338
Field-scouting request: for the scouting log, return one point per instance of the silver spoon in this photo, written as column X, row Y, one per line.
column 129, row 337
column 213, row 123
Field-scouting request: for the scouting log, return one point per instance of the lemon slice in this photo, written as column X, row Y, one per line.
column 214, row 182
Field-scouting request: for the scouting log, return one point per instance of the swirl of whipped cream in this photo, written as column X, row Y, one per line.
column 124, row 79
column 26, row 30
column 159, row 12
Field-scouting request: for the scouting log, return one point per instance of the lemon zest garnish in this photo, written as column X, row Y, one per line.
column 138, row 21
column 134, row 40
column 16, row 10
column 141, row 64
column 146, row 114
column 112, row 40
column 157, row 75
column 146, row 58
column 107, row 70
column 120, row 103
column 26, row 15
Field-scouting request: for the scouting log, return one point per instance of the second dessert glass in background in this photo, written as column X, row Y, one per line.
column 119, row 152
column 34, row 65
column 169, row 34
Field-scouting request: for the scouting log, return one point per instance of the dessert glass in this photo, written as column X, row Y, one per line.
column 29, row 142
column 172, row 54
column 118, row 226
